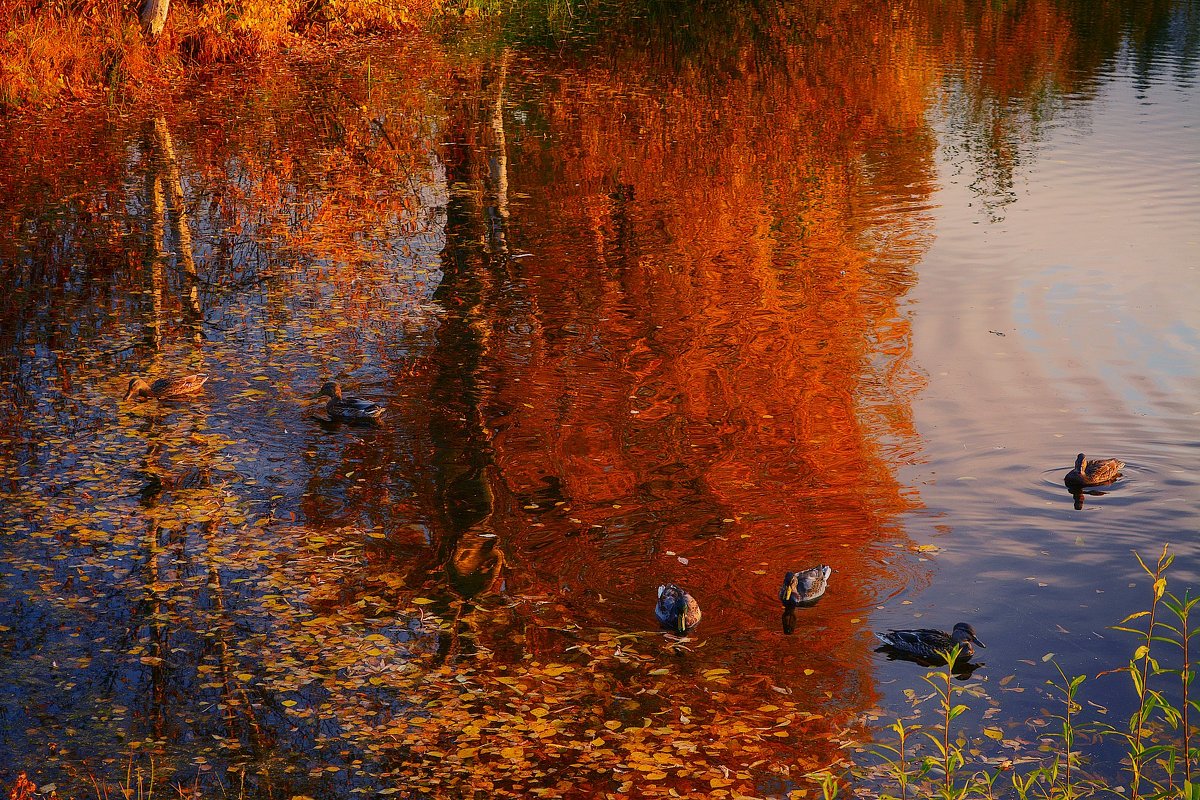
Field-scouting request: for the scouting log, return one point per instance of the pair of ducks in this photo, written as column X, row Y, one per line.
column 678, row 610
column 340, row 408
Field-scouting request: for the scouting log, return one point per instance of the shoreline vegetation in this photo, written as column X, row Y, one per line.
column 1153, row 753
column 61, row 51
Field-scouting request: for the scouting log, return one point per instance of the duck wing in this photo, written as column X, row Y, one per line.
column 814, row 582
column 358, row 407
column 177, row 387
column 917, row 639
column 1105, row 469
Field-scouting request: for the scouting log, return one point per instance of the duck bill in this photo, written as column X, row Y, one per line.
column 681, row 626
column 981, row 644
column 787, row 595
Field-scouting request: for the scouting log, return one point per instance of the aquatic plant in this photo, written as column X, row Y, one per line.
column 1160, row 758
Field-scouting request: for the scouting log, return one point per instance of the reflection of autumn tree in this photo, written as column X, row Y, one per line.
column 1013, row 70
column 720, row 280
column 163, row 184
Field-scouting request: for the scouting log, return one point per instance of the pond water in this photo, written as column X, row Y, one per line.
column 703, row 300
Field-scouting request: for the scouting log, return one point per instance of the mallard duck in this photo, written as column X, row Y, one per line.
column 804, row 588
column 348, row 409
column 1093, row 473
column 676, row 608
column 929, row 644
column 165, row 388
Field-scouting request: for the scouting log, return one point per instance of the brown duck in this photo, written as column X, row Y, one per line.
column 805, row 587
column 1096, row 472
column 165, row 388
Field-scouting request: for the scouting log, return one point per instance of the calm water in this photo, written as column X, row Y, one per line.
column 700, row 303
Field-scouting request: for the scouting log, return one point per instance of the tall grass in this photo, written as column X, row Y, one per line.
column 1157, row 742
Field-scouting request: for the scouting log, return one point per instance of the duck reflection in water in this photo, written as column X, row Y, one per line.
column 1077, row 495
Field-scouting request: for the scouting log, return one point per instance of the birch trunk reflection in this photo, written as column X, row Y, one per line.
column 473, row 275
column 167, row 206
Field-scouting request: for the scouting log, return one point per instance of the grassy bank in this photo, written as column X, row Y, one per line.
column 53, row 51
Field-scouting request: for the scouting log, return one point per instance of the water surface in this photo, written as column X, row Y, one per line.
column 699, row 304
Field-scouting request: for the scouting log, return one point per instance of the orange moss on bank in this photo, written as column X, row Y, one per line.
column 55, row 50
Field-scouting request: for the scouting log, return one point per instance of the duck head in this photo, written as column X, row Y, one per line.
column 330, row 389
column 137, row 388
column 964, row 633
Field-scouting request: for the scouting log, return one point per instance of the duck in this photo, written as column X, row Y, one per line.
column 348, row 409
column 927, row 643
column 1096, row 472
column 165, row 388
column 804, row 588
column 676, row 608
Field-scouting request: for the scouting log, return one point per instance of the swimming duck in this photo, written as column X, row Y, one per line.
column 804, row 588
column 676, row 608
column 930, row 644
column 1093, row 473
column 165, row 388
column 348, row 409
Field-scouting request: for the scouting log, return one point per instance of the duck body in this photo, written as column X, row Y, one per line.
column 1096, row 472
column 348, row 409
column 165, row 388
column 805, row 587
column 676, row 609
column 929, row 644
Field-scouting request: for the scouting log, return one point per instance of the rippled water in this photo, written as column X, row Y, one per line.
column 843, row 289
